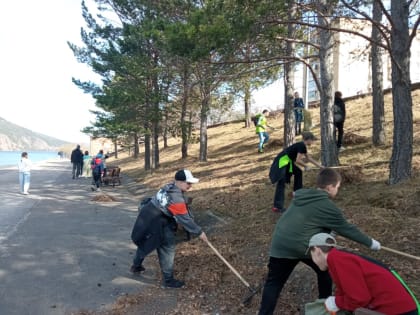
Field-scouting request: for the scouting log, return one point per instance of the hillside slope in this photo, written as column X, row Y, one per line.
column 234, row 188
column 17, row 138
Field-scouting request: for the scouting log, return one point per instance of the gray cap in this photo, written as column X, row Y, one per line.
column 322, row 239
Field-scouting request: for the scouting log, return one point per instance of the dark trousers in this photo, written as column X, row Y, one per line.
column 96, row 178
column 298, row 129
column 339, row 126
column 281, row 185
column 279, row 270
column 76, row 171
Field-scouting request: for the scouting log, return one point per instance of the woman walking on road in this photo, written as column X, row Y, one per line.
column 24, row 167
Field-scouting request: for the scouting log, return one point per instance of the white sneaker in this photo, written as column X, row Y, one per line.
column 98, row 189
column 25, row 193
column 341, row 149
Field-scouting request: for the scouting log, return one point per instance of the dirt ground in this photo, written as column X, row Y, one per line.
column 235, row 191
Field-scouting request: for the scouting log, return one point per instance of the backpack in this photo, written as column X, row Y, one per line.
column 276, row 173
column 338, row 114
column 255, row 119
column 95, row 163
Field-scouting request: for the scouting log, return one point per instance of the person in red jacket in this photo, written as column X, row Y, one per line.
column 360, row 281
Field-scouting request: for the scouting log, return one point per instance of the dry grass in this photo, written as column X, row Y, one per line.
column 234, row 185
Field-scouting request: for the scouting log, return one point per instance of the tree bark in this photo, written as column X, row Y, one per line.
column 205, row 106
column 378, row 111
column 184, row 124
column 147, row 165
column 402, row 148
column 247, row 104
column 329, row 152
column 289, row 80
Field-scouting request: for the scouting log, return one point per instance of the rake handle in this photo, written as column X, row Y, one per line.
column 229, row 265
column 399, row 253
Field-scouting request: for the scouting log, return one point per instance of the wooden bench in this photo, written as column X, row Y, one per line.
column 112, row 177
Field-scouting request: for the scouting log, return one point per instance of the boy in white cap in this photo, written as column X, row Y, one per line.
column 360, row 281
column 157, row 222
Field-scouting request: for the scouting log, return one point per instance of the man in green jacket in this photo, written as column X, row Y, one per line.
column 310, row 212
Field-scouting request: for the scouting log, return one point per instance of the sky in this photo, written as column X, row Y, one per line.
column 37, row 66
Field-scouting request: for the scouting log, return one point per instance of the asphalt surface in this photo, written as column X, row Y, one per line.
column 60, row 251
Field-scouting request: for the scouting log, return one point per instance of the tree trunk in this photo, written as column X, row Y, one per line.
column 184, row 123
column 289, row 118
column 115, row 148
column 165, row 130
column 378, row 111
column 247, row 104
column 205, row 105
column 402, row 148
column 136, row 150
column 329, row 152
column 147, row 165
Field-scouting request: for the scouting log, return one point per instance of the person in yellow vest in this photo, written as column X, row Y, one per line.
column 261, row 126
column 290, row 162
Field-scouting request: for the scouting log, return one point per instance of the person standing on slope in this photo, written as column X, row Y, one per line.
column 261, row 126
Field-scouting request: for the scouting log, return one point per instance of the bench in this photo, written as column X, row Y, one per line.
column 112, row 177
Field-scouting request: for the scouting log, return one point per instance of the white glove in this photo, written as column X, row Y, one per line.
column 330, row 304
column 375, row 245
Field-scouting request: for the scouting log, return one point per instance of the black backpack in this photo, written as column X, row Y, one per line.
column 255, row 119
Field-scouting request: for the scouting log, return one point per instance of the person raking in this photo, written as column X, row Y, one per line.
column 156, row 225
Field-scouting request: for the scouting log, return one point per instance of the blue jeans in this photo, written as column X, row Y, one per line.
column 263, row 136
column 166, row 253
column 24, row 181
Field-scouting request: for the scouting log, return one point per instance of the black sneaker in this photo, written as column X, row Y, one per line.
column 173, row 283
column 137, row 270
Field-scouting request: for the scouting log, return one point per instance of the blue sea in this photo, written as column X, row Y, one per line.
column 11, row 158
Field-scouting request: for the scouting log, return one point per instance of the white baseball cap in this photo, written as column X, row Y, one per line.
column 186, row 176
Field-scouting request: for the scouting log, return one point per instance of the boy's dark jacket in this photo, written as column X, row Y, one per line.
column 148, row 228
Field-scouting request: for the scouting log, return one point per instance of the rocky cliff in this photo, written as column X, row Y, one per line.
column 17, row 138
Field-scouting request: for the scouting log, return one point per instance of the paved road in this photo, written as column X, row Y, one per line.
column 59, row 250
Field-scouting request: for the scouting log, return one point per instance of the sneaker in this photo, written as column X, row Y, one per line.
column 173, row 283
column 340, row 149
column 260, row 151
column 137, row 270
column 98, row 189
column 25, row 193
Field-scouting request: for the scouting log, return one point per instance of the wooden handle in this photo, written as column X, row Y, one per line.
column 399, row 253
column 229, row 265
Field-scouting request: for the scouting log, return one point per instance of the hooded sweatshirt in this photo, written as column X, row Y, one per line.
column 310, row 212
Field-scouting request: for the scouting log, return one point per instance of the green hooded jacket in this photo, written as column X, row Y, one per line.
column 310, row 212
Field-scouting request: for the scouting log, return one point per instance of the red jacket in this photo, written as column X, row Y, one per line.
column 363, row 283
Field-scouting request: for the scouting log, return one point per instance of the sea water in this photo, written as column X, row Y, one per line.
column 12, row 158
